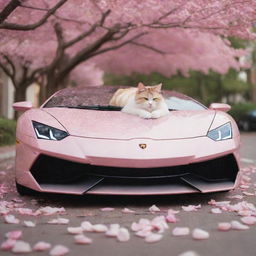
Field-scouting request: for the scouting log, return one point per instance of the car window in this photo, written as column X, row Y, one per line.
column 100, row 96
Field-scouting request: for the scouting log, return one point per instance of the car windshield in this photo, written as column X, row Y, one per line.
column 97, row 98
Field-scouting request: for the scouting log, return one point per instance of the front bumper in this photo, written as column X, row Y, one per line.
column 78, row 165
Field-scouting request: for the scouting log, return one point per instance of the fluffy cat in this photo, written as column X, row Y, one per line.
column 143, row 101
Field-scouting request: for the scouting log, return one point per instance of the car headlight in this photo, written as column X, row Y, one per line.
column 223, row 132
column 47, row 132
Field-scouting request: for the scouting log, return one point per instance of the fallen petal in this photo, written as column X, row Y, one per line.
column 113, row 230
column 154, row 208
column 29, row 224
column 126, row 210
column 11, row 219
column 143, row 233
column 249, row 220
column 200, row 234
column 189, row 253
column 61, row 221
column 107, row 209
column 153, row 238
column 181, row 231
column 59, row 250
column 171, row 211
column 8, row 244
column 216, row 210
column 171, row 218
column 238, row 225
column 100, row 228
column 41, row 246
column 87, row 226
column 191, row 208
column 224, row 226
column 21, row 247
column 123, row 235
column 75, row 230
column 82, row 239
column 13, row 235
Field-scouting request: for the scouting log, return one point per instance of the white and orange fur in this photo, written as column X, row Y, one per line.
column 143, row 101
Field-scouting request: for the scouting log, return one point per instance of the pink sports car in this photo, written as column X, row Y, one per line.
column 76, row 143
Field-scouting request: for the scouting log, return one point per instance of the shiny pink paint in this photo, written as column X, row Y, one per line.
column 113, row 138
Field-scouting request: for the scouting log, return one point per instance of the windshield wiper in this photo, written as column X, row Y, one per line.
column 98, row 107
column 93, row 107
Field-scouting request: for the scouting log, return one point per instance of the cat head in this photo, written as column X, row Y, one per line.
column 148, row 97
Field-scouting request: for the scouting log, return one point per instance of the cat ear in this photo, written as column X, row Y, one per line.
column 158, row 87
column 141, row 87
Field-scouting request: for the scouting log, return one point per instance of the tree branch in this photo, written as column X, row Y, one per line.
column 13, row 26
column 131, row 40
column 149, row 47
column 8, row 9
column 89, row 32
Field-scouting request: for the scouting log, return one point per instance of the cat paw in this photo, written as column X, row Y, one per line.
column 145, row 115
column 155, row 114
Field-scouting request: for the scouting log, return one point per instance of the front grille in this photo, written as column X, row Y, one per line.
column 51, row 170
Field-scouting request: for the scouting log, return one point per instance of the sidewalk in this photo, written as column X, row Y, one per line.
column 7, row 152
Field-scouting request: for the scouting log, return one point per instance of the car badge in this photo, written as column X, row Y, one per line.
column 143, row 146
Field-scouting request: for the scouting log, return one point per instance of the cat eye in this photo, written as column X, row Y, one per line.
column 155, row 99
column 145, row 98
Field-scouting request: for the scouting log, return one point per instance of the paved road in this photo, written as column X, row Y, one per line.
column 78, row 209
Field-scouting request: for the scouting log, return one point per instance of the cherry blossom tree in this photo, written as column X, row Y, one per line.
column 46, row 40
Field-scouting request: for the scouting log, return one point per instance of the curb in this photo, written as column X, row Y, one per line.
column 7, row 152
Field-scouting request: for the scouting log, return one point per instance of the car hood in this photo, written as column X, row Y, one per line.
column 118, row 125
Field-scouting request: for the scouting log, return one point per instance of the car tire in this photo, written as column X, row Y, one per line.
column 246, row 126
column 24, row 190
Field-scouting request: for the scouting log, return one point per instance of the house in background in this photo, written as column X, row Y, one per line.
column 7, row 96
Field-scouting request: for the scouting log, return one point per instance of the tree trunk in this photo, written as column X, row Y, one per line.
column 54, row 84
column 201, row 89
column 19, row 95
column 253, row 84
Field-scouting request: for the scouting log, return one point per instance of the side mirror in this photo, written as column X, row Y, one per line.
column 220, row 106
column 22, row 106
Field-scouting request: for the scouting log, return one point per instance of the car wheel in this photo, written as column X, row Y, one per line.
column 246, row 126
column 24, row 190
